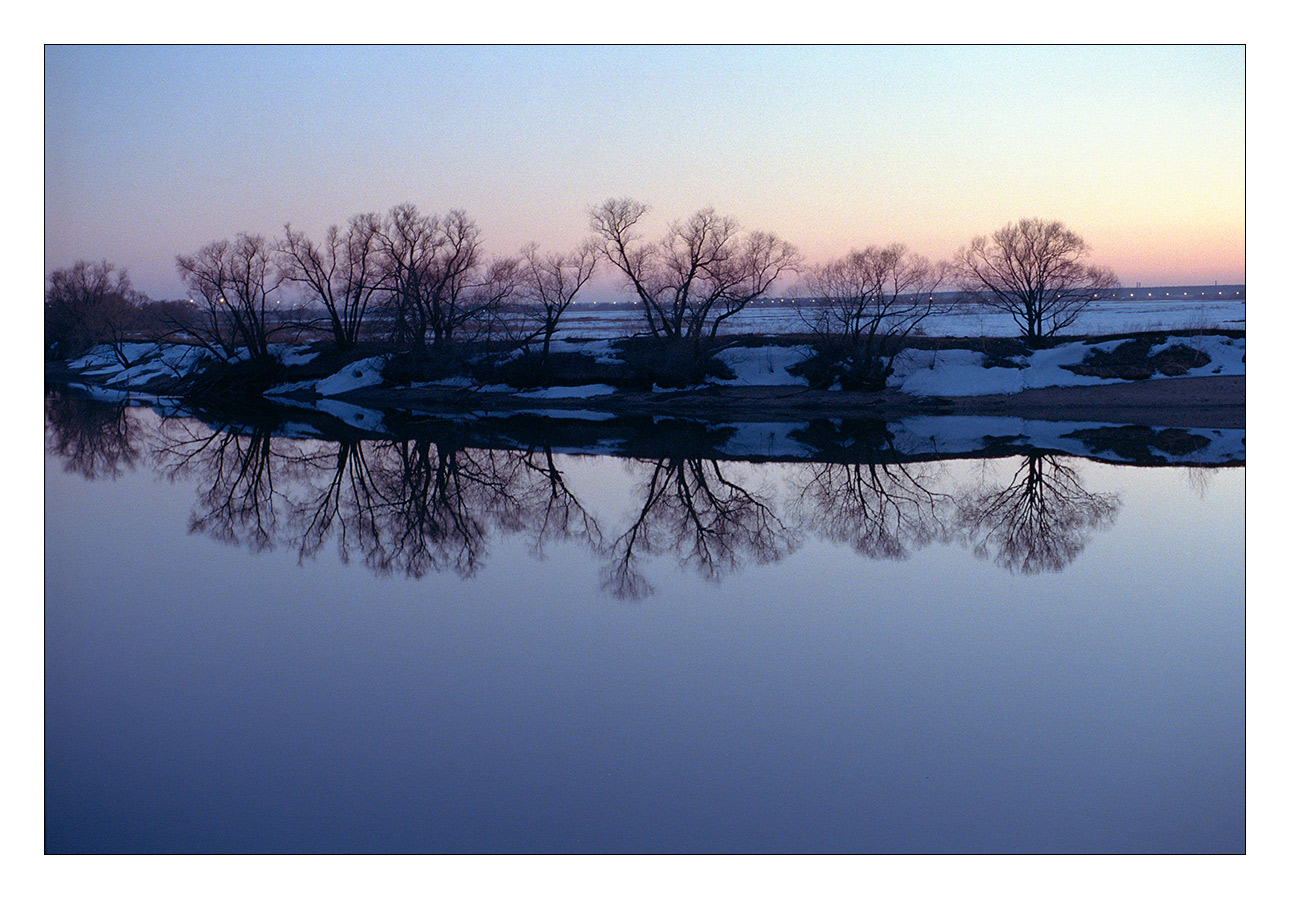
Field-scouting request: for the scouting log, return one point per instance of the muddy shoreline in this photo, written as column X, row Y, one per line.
column 1206, row 402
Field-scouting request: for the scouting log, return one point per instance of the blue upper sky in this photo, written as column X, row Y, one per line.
column 153, row 151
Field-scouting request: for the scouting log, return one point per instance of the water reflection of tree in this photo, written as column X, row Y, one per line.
column 409, row 506
column 418, row 506
column 1041, row 521
column 95, row 439
column 337, row 500
column 1198, row 479
column 882, row 511
column 692, row 510
column 548, row 506
column 431, row 511
column 239, row 503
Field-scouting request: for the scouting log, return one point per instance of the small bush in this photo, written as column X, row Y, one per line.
column 672, row 363
column 1133, row 360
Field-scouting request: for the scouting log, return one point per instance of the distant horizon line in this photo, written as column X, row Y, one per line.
column 1123, row 292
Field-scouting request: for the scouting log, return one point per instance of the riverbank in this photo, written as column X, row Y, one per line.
column 1191, row 380
column 1213, row 402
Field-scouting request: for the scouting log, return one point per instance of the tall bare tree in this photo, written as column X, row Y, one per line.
column 432, row 264
column 550, row 284
column 867, row 302
column 703, row 271
column 231, row 281
column 482, row 309
column 1034, row 270
column 343, row 273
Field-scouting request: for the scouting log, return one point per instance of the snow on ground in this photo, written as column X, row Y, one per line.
column 600, row 350
column 175, row 360
column 765, row 366
column 104, row 357
column 963, row 372
column 1147, row 310
column 147, row 362
column 458, row 381
column 1226, row 354
column 363, row 373
column 565, row 393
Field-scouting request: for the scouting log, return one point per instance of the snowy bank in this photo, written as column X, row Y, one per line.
column 966, row 373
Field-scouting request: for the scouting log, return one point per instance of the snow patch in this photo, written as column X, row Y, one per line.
column 765, row 366
column 562, row 393
column 363, row 373
column 288, row 354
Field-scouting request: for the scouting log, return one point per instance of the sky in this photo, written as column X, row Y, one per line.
column 151, row 151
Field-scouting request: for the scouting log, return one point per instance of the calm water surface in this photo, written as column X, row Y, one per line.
column 263, row 644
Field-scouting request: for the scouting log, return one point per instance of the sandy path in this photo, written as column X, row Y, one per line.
column 1217, row 402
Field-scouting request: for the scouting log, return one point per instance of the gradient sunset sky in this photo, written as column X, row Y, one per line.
column 153, row 151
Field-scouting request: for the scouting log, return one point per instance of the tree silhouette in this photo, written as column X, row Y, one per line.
column 865, row 304
column 231, row 282
column 87, row 304
column 702, row 272
column 343, row 273
column 1035, row 271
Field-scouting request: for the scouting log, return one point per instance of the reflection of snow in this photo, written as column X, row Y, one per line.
column 766, row 438
column 354, row 416
column 956, row 434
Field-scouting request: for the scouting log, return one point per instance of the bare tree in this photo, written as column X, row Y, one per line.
column 701, row 273
column 1035, row 271
column 407, row 241
column 432, row 264
column 343, row 274
column 481, row 311
column 880, row 510
column 866, row 303
column 550, row 284
column 231, row 282
column 87, row 304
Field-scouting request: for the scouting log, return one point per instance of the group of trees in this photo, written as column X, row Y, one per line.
column 433, row 284
column 427, row 274
column 87, row 304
